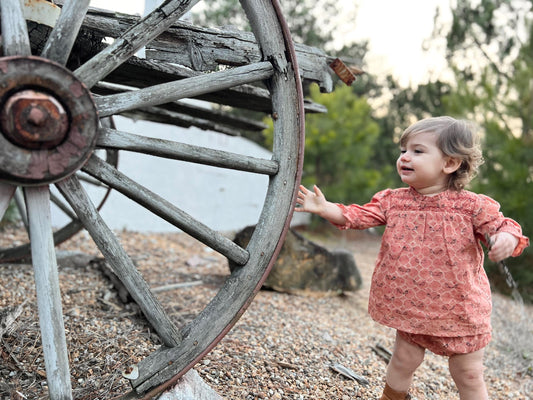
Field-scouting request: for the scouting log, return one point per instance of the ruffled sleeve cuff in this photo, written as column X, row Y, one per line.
column 512, row 227
column 523, row 242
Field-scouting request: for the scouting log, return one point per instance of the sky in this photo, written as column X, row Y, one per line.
column 395, row 31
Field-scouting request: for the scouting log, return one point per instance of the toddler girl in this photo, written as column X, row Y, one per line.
column 429, row 283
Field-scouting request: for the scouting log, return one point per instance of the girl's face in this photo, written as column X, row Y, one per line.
column 423, row 166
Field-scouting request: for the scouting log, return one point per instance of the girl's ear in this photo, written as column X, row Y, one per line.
column 451, row 165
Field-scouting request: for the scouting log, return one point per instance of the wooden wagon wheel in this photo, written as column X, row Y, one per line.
column 51, row 127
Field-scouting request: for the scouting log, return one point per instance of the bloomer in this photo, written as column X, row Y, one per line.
column 447, row 346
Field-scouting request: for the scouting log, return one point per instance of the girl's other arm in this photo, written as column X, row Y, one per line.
column 316, row 203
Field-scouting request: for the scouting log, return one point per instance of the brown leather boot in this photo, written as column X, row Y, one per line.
column 391, row 394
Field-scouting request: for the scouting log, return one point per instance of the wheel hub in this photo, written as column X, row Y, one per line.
column 48, row 121
column 34, row 120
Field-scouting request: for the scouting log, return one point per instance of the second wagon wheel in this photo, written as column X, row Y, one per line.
column 50, row 123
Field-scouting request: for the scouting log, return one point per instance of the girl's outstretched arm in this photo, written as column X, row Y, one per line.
column 315, row 202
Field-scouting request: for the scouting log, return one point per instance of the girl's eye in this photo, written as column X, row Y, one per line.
column 403, row 151
column 418, row 151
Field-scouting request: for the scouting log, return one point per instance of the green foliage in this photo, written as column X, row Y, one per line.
column 310, row 23
column 305, row 25
column 340, row 145
column 496, row 92
column 341, row 148
column 506, row 177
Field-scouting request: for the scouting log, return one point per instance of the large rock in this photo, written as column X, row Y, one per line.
column 304, row 266
column 191, row 387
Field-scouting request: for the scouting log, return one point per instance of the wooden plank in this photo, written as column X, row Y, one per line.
column 15, row 39
column 204, row 49
column 185, row 88
column 48, row 293
column 119, row 260
column 132, row 40
column 161, row 115
column 166, row 210
column 141, row 73
column 110, row 138
column 183, row 111
column 63, row 35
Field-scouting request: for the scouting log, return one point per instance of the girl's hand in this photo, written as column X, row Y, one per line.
column 502, row 246
column 313, row 202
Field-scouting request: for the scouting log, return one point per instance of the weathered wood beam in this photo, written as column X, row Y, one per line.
column 186, row 114
column 21, row 207
column 131, row 40
column 203, row 49
column 160, row 115
column 142, row 73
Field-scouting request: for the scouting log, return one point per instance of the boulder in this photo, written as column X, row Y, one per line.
column 304, row 266
column 191, row 386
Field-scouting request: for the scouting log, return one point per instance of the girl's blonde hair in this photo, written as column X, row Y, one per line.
column 456, row 139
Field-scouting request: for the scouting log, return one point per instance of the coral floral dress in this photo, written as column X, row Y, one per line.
column 429, row 277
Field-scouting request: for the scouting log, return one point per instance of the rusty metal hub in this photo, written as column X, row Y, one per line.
column 34, row 120
column 48, row 121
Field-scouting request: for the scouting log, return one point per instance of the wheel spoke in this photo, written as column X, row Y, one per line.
column 19, row 201
column 48, row 292
column 119, row 260
column 190, row 87
column 89, row 179
column 166, row 210
column 6, row 193
column 132, row 40
column 110, row 138
column 15, row 37
column 63, row 35
column 62, row 206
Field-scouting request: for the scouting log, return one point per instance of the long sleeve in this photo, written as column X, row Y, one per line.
column 365, row 216
column 488, row 219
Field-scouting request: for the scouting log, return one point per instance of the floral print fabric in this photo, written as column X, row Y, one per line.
column 429, row 277
column 447, row 346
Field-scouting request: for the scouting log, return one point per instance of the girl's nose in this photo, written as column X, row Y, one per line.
column 405, row 156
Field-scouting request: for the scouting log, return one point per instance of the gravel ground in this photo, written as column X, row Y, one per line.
column 282, row 348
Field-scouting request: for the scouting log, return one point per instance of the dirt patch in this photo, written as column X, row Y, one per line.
column 282, row 348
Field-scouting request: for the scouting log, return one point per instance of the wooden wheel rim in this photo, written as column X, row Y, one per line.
column 163, row 367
